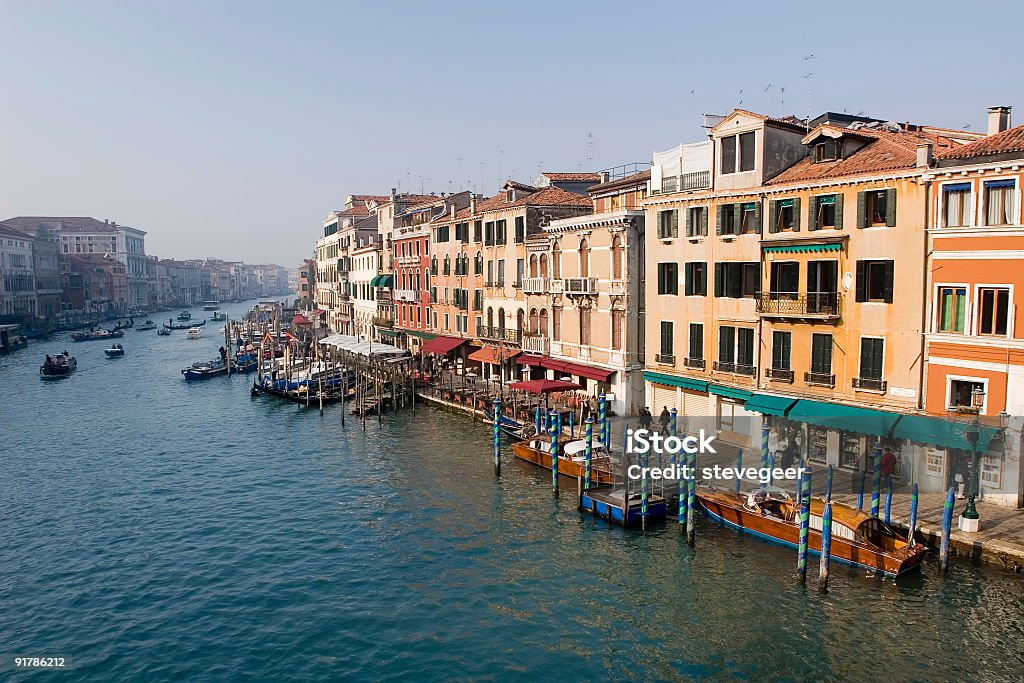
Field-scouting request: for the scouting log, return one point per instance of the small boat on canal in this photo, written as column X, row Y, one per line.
column 184, row 316
column 163, row 332
column 211, row 306
column 858, row 539
column 57, row 367
column 146, row 326
column 571, row 458
column 96, row 335
column 171, row 325
column 205, row 370
column 115, row 351
column 193, row 333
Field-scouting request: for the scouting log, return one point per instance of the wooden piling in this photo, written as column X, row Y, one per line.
column 912, row 529
column 554, row 453
column 691, row 500
column 766, row 429
column 644, row 493
column 888, row 503
column 497, row 436
column 860, row 489
column 947, row 526
column 739, row 467
column 826, row 533
column 588, row 453
column 805, row 518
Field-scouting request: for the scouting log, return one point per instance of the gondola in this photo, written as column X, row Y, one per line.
column 96, row 335
column 146, row 326
column 56, row 367
column 171, row 325
column 115, row 351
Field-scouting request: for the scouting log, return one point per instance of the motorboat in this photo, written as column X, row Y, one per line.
column 146, row 326
column 164, row 331
column 115, row 351
column 211, row 306
column 96, row 335
column 571, row 458
column 56, row 367
column 858, row 539
column 220, row 316
column 205, row 370
column 171, row 325
column 193, row 333
column 184, row 316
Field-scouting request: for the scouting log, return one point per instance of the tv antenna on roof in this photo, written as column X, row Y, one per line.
column 810, row 87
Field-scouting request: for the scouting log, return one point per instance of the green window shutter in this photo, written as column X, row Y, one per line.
column 703, row 279
column 689, row 223
column 773, row 224
column 888, row 281
column 704, row 220
column 720, row 220
column 675, row 222
column 688, row 279
column 796, row 215
column 737, row 214
column 861, row 294
column 661, row 278
column 839, row 211
column 862, row 209
column 758, row 224
column 890, row 208
column 812, row 214
column 718, row 279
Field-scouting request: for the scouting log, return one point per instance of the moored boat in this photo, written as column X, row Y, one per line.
column 171, row 325
column 163, row 331
column 858, row 539
column 55, row 367
column 115, row 351
column 220, row 316
column 571, row 458
column 96, row 335
column 205, row 370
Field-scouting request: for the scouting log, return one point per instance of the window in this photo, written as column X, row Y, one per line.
column 556, row 261
column 874, row 281
column 785, row 215
column 447, row 266
column 826, row 212
column 490, row 273
column 520, row 272
column 501, row 273
column 478, row 231
column 728, row 155
column 478, row 264
column 585, row 326
column 489, row 233
column 617, row 319
column 747, row 151
column 993, row 310
column 745, row 347
column 617, row 258
column 821, row 354
column 750, row 217
column 961, row 393
column 442, row 234
column 738, row 152
column 666, row 340
column 697, row 221
column 728, row 222
column 584, row 258
column 727, row 345
column 991, row 471
column 952, row 305
column 737, row 280
column 956, row 205
column 556, row 323
column 668, row 224
column 695, row 276
column 785, row 280
column 696, row 350
column 876, row 207
column 499, row 232
column 520, row 229
column 827, row 150
column 999, row 196
column 782, row 346
column 871, row 353
column 668, row 278
column 935, row 463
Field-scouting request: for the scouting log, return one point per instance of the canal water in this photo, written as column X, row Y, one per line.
column 154, row 529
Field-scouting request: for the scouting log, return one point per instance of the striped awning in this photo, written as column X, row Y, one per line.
column 803, row 248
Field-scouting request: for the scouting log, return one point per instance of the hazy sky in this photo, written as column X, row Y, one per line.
column 231, row 129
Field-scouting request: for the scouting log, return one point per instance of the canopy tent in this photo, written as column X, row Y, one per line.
column 577, row 369
column 493, row 355
column 846, row 418
column 299, row 319
column 442, row 345
column 362, row 347
column 935, row 431
column 766, row 404
column 544, row 386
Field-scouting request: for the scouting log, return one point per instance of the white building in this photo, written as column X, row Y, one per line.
column 17, row 281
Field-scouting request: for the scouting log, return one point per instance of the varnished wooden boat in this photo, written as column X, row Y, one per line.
column 571, row 461
column 858, row 539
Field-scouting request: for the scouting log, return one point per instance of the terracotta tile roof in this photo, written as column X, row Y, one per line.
column 12, row 231
column 788, row 121
column 369, row 197
column 548, row 196
column 67, row 223
column 885, row 151
column 1010, row 140
column 581, row 177
column 626, row 181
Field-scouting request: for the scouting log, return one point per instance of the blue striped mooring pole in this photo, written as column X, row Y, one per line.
column 826, row 532
column 537, row 422
column 947, row 526
column 912, row 529
column 876, row 478
column 860, row 489
column 691, row 499
column 805, row 522
column 673, row 422
column 588, row 453
column 602, row 408
column 766, row 429
column 739, row 466
column 644, row 492
column 497, row 436
column 888, row 503
column 572, row 424
column 554, row 453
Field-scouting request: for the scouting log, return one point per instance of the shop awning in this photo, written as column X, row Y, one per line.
column 767, row 404
column 802, row 248
column 544, row 386
column 389, row 333
column 935, row 431
column 421, row 335
column 442, row 345
column 577, row 369
column 846, row 418
column 381, row 281
column 729, row 392
column 531, row 360
column 493, row 355
column 674, row 381
column 374, row 280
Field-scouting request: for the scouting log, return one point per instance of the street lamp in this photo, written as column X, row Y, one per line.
column 972, row 432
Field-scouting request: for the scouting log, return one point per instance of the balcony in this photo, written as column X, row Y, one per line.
column 695, row 363
column 733, row 368
column 382, row 322
column 580, row 285
column 870, row 384
column 665, row 359
column 408, row 260
column 555, row 286
column 697, row 180
column 535, row 285
column 821, row 305
column 537, row 343
column 500, row 334
column 410, row 295
column 820, row 379
column 779, row 374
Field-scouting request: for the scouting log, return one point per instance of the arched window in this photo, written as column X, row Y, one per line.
column 585, row 326
column 556, row 262
column 490, row 317
column 556, row 323
column 501, row 319
column 543, row 265
column 584, row 258
column 426, row 279
column 433, row 265
column 533, row 265
column 617, row 319
column 447, row 265
column 419, row 281
column 617, row 258
column 534, row 321
column 520, row 321
column 543, row 322
column 478, row 266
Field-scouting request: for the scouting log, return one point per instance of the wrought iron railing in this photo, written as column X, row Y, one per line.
column 504, row 334
column 870, row 383
column 696, row 363
column 665, row 359
column 794, row 304
column 733, row 368
column 820, row 378
column 780, row 374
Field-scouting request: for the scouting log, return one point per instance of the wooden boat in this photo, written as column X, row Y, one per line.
column 125, row 326
column 115, row 351
column 184, row 316
column 96, row 335
column 170, row 325
column 56, row 367
column 571, row 459
column 146, row 326
column 858, row 539
column 164, row 331
column 205, row 370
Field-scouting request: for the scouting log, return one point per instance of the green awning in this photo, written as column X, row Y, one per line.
column 375, row 280
column 770, row 405
column 674, row 381
column 935, row 431
column 389, row 333
column 730, row 392
column 385, row 280
column 802, row 248
column 846, row 418
column 421, row 335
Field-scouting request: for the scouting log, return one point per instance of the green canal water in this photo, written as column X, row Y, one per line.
column 158, row 530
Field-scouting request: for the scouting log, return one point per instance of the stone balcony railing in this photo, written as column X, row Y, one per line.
column 535, row 285
column 580, row 285
column 410, row 295
column 537, row 343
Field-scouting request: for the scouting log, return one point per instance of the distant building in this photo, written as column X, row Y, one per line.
column 17, row 276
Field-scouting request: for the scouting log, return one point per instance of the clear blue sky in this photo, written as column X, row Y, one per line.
column 231, row 129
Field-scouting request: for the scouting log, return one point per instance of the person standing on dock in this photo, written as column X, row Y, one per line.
column 646, row 419
column 664, row 420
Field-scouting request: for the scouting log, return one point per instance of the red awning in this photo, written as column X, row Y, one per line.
column 442, row 345
column 527, row 359
column 544, row 386
column 493, row 355
column 299, row 319
column 588, row 371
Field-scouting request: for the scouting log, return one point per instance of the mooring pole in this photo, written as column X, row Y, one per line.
column 572, row 424
column 876, row 478
column 673, row 422
column 537, row 422
column 766, row 429
column 860, row 489
column 947, row 525
column 805, row 519
column 913, row 515
column 603, row 417
column 826, row 532
column 888, row 503
column 691, row 500
column 644, row 494
column 739, row 467
column 554, row 453
column 588, row 453
column 497, row 436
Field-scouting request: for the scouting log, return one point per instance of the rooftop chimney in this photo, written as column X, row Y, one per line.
column 998, row 119
column 394, row 193
column 604, row 177
column 472, row 204
column 924, row 154
column 453, row 209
